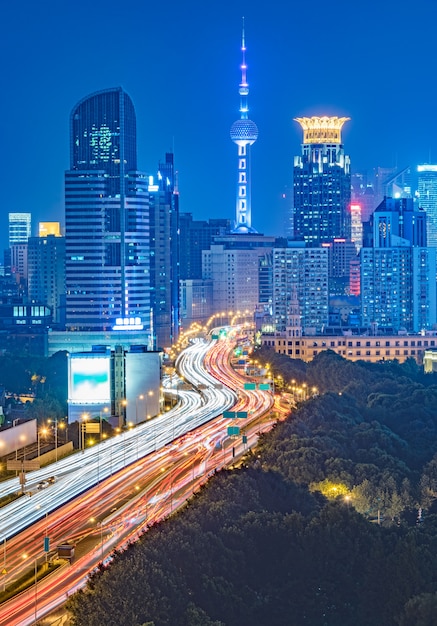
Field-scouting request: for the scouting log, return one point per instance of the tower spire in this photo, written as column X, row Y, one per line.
column 244, row 133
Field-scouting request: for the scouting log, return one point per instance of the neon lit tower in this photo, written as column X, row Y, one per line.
column 244, row 133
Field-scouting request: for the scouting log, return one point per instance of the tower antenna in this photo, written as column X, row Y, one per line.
column 244, row 133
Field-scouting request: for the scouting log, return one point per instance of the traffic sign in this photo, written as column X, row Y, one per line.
column 46, row 544
column 24, row 466
column 230, row 415
column 264, row 386
column 241, row 414
column 244, row 439
column 233, row 430
column 249, row 386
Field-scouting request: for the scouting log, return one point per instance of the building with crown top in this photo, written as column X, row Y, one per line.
column 322, row 182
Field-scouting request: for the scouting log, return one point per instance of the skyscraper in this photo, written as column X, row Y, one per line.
column 427, row 188
column 322, row 182
column 106, row 218
column 164, row 256
column 244, row 133
column 19, row 227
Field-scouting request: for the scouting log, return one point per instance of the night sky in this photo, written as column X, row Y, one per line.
column 373, row 61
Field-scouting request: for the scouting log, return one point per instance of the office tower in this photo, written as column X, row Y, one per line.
column 300, row 282
column 244, row 133
column 427, row 188
column 164, row 257
column 396, row 222
column 19, row 227
column 322, row 182
column 398, row 286
column 356, row 225
column 340, row 254
column 106, row 218
column 232, row 263
column 196, row 236
column 18, row 266
column 46, row 273
column 392, row 182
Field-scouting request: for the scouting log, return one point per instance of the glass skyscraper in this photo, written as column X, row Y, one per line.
column 106, row 218
column 427, row 187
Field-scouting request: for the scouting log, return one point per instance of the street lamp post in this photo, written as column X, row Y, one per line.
column 82, row 430
column 140, row 397
column 42, row 431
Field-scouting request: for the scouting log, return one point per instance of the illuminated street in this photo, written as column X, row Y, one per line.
column 109, row 493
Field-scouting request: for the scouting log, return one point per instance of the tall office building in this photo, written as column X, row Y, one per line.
column 106, row 218
column 427, row 188
column 20, row 225
column 244, row 133
column 322, row 182
column 46, row 273
column 300, row 282
column 396, row 222
column 398, row 271
column 164, row 254
column 196, row 236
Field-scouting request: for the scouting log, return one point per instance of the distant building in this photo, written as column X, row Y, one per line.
column 196, row 236
column 398, row 270
column 427, row 189
column 232, row 265
column 20, row 228
column 370, row 348
column 322, row 182
column 300, row 287
column 46, row 273
column 164, row 257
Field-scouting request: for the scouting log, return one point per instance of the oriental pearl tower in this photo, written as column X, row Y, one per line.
column 244, row 133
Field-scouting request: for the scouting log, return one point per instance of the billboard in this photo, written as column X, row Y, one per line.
column 89, row 379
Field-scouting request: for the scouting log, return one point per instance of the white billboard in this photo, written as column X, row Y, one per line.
column 89, row 379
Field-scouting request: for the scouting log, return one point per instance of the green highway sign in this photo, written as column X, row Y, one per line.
column 233, row 430
column 249, row 386
column 264, row 386
column 241, row 414
column 230, row 415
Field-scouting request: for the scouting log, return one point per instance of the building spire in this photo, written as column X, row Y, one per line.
column 244, row 133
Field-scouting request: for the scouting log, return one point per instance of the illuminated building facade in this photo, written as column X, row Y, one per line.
column 372, row 349
column 164, row 254
column 106, row 218
column 398, row 271
column 46, row 273
column 322, row 182
column 20, row 226
column 427, row 188
column 244, row 133
column 300, row 283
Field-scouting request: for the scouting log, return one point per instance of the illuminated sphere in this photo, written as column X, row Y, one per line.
column 244, row 131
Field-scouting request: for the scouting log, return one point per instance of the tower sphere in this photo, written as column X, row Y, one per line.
column 244, row 131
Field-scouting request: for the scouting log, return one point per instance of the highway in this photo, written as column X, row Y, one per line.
column 109, row 493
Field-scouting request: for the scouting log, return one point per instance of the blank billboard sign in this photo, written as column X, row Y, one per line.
column 89, row 379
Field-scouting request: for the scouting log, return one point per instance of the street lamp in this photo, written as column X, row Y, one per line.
column 85, row 417
column 140, row 397
column 42, row 431
column 106, row 411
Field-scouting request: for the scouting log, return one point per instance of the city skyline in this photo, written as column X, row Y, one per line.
column 181, row 66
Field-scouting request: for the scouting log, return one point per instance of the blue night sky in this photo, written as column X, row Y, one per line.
column 179, row 62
